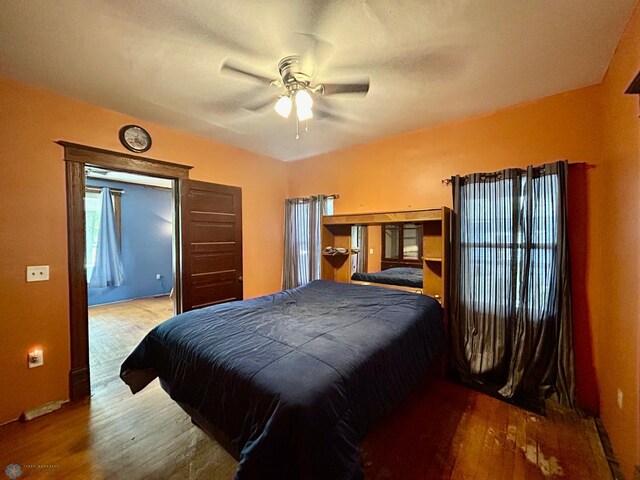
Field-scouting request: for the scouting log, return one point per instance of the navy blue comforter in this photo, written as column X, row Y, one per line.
column 295, row 380
column 405, row 276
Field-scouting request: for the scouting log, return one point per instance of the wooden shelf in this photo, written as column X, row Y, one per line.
column 432, row 259
column 384, row 217
column 337, row 254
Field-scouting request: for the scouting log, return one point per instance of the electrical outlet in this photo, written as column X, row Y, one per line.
column 620, row 398
column 371, row 251
column 35, row 358
column 158, row 276
column 37, row 273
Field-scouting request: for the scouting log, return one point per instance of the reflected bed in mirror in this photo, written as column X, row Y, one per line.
column 401, row 276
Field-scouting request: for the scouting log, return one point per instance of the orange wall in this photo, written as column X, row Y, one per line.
column 618, row 326
column 404, row 172
column 33, row 224
column 598, row 125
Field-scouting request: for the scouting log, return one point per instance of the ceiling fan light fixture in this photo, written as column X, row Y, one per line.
column 303, row 100
column 283, row 106
column 304, row 113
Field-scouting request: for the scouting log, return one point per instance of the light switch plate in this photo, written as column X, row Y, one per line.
column 37, row 273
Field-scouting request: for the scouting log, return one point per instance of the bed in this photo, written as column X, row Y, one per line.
column 294, row 380
column 402, row 276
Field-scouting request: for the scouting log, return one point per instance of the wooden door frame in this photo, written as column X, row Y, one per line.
column 76, row 157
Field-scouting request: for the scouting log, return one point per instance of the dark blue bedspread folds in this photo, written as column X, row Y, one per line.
column 295, row 380
column 405, row 276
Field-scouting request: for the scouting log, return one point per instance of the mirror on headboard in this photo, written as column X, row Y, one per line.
column 369, row 243
column 389, row 253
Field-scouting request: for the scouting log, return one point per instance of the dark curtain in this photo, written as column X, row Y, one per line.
column 303, row 239
column 511, row 298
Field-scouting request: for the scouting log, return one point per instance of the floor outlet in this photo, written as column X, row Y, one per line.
column 36, row 358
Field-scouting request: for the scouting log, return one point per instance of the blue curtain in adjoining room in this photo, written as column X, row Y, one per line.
column 108, row 271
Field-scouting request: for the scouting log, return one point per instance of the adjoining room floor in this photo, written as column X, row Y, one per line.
column 443, row 431
column 116, row 329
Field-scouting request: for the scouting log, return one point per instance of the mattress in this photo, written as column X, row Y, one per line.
column 405, row 276
column 295, row 380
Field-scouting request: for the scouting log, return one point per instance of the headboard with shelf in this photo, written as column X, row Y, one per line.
column 436, row 241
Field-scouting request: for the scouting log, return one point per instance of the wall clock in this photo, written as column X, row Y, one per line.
column 135, row 138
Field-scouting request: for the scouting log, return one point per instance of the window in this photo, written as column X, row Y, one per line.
column 502, row 222
column 92, row 222
column 303, row 239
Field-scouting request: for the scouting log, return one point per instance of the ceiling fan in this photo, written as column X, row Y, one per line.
column 296, row 87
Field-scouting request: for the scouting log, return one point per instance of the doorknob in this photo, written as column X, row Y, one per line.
column 240, row 279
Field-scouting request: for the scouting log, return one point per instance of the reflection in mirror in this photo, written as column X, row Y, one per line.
column 359, row 248
column 391, row 241
column 394, row 255
column 402, row 242
column 410, row 248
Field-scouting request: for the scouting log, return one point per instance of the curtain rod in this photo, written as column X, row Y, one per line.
column 447, row 181
column 94, row 189
column 306, row 199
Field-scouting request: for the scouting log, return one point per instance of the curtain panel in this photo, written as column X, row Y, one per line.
column 108, row 270
column 511, row 320
column 303, row 239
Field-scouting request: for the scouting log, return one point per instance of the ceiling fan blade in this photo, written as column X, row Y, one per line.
column 235, row 68
column 333, row 117
column 360, row 88
column 374, row 12
column 316, row 55
column 259, row 105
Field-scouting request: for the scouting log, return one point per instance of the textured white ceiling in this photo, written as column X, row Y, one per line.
column 429, row 61
column 102, row 174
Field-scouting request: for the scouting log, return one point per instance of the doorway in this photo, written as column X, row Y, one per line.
column 77, row 158
column 129, row 264
column 207, row 243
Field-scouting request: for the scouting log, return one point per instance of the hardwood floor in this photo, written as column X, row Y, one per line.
column 115, row 329
column 443, row 431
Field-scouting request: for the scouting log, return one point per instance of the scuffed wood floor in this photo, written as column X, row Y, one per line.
column 443, row 431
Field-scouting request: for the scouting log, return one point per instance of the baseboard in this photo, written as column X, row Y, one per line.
column 614, row 465
column 79, row 383
column 42, row 410
column 157, row 295
column 9, row 421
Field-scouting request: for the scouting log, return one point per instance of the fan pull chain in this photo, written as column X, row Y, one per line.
column 306, row 126
column 297, row 129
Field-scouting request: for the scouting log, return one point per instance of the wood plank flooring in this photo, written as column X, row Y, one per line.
column 443, row 431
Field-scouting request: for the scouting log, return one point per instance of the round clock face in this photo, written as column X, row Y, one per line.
column 135, row 138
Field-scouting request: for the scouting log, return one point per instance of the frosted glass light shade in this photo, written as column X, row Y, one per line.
column 283, row 106
column 304, row 113
column 303, row 100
